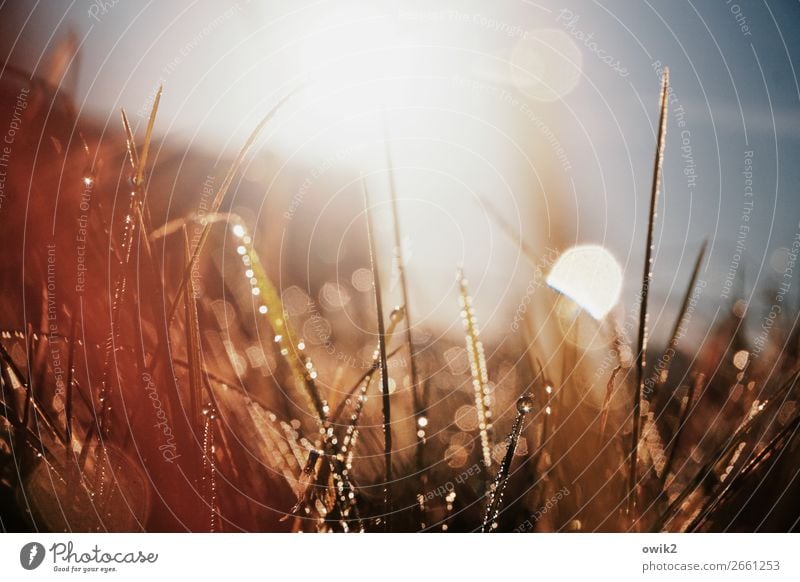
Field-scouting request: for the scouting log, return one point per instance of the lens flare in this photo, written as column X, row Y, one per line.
column 590, row 276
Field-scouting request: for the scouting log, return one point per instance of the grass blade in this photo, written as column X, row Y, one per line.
column 675, row 441
column 218, row 199
column 480, row 377
column 140, row 167
column 495, row 505
column 419, row 405
column 661, row 377
column 386, row 401
column 669, row 356
column 194, row 356
column 631, row 506
column 272, row 307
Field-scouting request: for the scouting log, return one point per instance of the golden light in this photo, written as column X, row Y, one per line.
column 590, row 276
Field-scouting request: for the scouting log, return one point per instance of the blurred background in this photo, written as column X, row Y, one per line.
column 510, row 132
column 544, row 111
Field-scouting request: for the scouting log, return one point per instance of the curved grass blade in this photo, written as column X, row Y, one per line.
column 495, row 505
column 417, row 398
column 218, row 199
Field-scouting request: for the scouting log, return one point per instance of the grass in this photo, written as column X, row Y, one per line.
column 215, row 417
column 647, row 279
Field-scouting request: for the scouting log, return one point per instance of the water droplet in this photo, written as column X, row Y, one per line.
column 524, row 404
column 397, row 314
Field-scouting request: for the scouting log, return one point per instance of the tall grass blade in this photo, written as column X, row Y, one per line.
column 418, row 403
column 480, row 377
column 386, row 401
column 631, row 506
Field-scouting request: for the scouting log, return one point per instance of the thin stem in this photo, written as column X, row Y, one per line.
column 419, row 406
column 217, row 202
column 495, row 505
column 646, row 280
column 480, row 378
column 661, row 377
column 387, row 411
column 682, row 421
